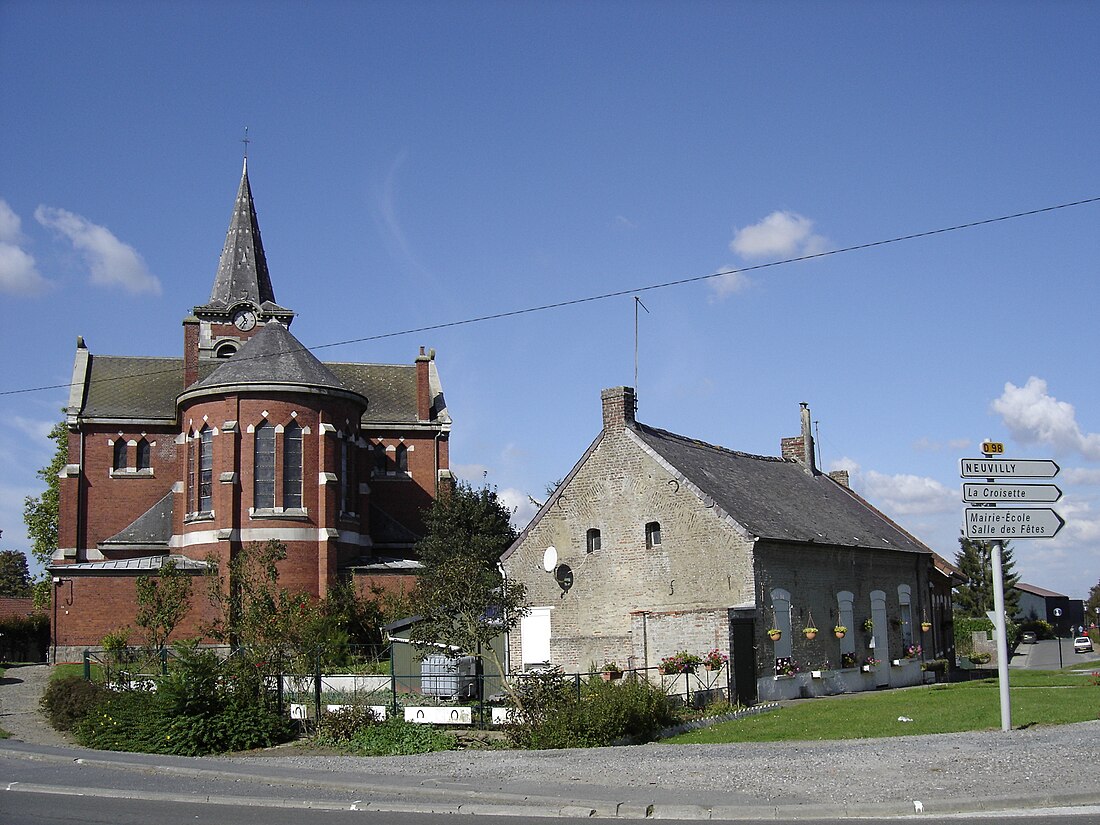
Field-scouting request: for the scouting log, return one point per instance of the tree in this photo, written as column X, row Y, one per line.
column 975, row 595
column 163, row 601
column 1092, row 603
column 41, row 513
column 15, row 577
column 462, row 597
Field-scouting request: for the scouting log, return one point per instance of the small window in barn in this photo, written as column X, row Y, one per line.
column 593, row 540
column 653, row 535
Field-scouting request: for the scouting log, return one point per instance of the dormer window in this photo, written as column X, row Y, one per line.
column 226, row 351
column 593, row 540
column 653, row 535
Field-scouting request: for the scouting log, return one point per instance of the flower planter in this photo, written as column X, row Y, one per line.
column 896, row 662
column 712, row 668
column 865, row 668
column 839, row 633
column 810, row 634
column 611, row 675
column 775, row 635
column 925, row 626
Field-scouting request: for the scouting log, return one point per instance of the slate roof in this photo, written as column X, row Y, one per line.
column 151, row 530
column 144, row 388
column 775, row 498
column 272, row 356
column 391, row 389
column 137, row 566
column 242, row 270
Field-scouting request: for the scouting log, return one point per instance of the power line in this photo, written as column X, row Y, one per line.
column 629, row 291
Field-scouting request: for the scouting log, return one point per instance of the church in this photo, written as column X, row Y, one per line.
column 245, row 438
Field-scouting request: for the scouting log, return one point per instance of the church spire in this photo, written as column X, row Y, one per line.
column 242, row 271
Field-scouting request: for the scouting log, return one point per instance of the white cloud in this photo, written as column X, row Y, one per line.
column 18, row 273
column 781, row 233
column 730, row 283
column 928, row 445
column 902, row 494
column 34, row 428
column 1079, row 476
column 521, row 505
column 623, row 222
column 1033, row 416
column 112, row 262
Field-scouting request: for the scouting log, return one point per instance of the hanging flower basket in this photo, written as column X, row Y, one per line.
column 925, row 626
column 775, row 634
column 839, row 631
column 810, row 632
column 868, row 625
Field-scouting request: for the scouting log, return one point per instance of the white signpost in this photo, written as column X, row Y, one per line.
column 999, row 524
column 1004, row 523
column 1007, row 468
column 977, row 493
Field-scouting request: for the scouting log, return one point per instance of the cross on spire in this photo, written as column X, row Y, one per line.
column 245, row 140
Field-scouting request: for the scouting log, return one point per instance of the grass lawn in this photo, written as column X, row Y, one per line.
column 1037, row 698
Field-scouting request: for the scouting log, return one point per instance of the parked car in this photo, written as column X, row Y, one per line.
column 1027, row 638
column 1082, row 644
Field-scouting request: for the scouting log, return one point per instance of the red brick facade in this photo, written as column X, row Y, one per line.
column 351, row 456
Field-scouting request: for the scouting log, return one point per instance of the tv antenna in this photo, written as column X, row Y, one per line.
column 637, row 303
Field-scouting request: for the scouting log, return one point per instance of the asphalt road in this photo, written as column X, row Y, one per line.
column 1043, row 655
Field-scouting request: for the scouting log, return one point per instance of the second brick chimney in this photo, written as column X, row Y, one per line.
column 801, row 447
column 618, row 407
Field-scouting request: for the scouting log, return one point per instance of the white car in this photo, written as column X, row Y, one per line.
column 1082, row 644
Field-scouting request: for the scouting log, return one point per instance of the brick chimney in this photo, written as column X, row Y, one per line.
column 423, row 388
column 840, row 477
column 618, row 407
column 801, row 447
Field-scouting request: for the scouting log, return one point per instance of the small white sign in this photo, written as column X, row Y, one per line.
column 987, row 493
column 1012, row 523
column 1007, row 467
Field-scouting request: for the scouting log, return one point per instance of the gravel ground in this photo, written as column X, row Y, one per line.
column 1063, row 761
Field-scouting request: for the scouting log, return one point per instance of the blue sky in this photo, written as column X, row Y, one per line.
column 417, row 164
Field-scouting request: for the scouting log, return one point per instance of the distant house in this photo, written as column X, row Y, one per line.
column 658, row 543
column 1037, row 603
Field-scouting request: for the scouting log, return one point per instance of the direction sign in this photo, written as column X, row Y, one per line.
column 1012, row 523
column 1007, row 467
column 978, row 493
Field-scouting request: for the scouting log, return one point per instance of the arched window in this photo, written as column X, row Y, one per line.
column 263, row 468
column 225, row 351
column 144, row 455
column 206, row 470
column 401, row 458
column 292, row 466
column 349, row 483
column 381, row 461
column 653, row 535
column 592, row 540
column 120, row 458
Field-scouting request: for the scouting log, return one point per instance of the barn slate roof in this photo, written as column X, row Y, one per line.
column 775, row 498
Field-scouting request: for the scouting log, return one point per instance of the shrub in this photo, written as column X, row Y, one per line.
column 126, row 720
column 339, row 726
column 396, row 737
column 605, row 712
column 69, row 699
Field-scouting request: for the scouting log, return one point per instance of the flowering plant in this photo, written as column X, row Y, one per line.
column 611, row 667
column 715, row 659
column 868, row 625
column 682, row 662
column 786, row 667
column 871, row 661
column 912, row 652
column 848, row 660
column 840, row 629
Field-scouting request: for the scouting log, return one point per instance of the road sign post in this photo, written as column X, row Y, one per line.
column 999, row 524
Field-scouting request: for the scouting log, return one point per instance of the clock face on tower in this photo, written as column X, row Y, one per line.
column 244, row 319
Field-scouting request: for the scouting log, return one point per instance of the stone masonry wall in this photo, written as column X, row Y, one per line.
column 702, row 563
